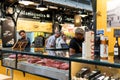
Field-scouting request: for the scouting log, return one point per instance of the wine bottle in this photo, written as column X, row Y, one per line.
column 116, row 49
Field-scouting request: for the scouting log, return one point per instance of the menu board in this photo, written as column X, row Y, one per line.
column 39, row 41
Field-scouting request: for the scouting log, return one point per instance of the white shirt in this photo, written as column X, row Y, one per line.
column 60, row 53
column 61, row 42
column 51, row 41
column 57, row 41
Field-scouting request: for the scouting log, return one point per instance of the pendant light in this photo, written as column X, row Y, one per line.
column 2, row 17
column 83, row 13
column 26, row 2
column 41, row 6
column 77, row 20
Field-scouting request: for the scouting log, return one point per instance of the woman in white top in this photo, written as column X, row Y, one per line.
column 62, row 41
column 62, row 44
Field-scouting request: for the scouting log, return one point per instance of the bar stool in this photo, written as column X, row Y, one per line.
column 11, row 72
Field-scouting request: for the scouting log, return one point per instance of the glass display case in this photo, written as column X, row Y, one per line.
column 50, row 63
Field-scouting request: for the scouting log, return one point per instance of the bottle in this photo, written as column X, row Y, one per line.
column 103, row 47
column 0, row 43
column 116, row 49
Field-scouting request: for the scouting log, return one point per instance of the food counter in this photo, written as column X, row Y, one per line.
column 57, row 66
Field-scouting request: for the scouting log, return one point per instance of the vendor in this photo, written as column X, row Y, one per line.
column 76, row 42
column 23, row 38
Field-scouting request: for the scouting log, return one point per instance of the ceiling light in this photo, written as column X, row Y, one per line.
column 53, row 7
column 25, row 2
column 2, row 19
column 83, row 13
column 77, row 20
column 42, row 7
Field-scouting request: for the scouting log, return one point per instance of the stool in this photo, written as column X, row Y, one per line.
column 11, row 72
column 4, row 77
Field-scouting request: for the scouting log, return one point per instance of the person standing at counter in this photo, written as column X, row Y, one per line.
column 62, row 45
column 51, row 41
column 59, row 38
column 75, row 46
column 62, row 42
column 24, row 37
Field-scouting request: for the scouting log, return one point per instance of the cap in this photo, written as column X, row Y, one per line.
column 79, row 30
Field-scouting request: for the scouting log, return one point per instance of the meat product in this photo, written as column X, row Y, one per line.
column 64, row 66
column 30, row 57
column 55, row 65
column 40, row 62
column 58, row 62
column 33, row 60
column 25, row 56
column 45, row 60
column 48, row 62
column 13, row 56
column 52, row 63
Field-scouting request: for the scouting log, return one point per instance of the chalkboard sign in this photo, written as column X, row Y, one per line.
column 39, row 41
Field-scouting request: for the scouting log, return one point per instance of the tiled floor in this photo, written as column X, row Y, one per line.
column 19, row 75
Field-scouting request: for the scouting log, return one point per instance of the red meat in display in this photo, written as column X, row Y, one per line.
column 33, row 60
column 13, row 56
column 64, row 66
column 45, row 62
column 55, row 65
column 25, row 56
column 58, row 62
column 49, row 63
column 39, row 62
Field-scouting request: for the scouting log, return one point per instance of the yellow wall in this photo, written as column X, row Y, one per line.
column 102, row 22
column 33, row 25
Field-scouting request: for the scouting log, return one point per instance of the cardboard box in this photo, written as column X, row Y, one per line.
column 5, row 77
column 88, row 45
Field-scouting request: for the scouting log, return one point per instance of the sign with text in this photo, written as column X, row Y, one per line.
column 44, row 16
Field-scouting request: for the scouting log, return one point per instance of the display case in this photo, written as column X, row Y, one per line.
column 54, row 64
